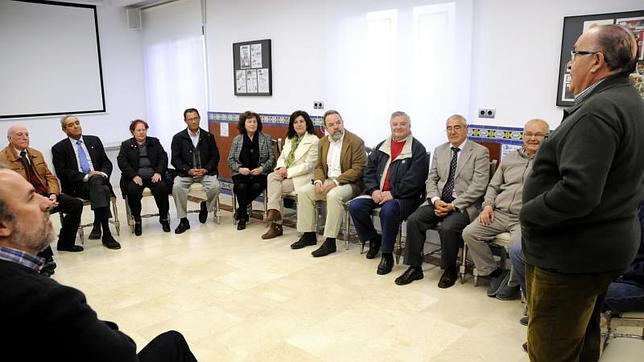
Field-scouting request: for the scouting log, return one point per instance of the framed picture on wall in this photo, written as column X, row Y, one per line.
column 252, row 68
column 574, row 26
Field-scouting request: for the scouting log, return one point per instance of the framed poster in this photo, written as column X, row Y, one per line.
column 252, row 68
column 574, row 26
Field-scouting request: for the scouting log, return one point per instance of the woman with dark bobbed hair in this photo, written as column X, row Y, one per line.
column 143, row 163
column 294, row 167
column 250, row 160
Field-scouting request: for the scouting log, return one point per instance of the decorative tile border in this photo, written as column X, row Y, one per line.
column 267, row 118
column 499, row 134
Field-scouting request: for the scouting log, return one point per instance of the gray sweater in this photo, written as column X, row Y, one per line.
column 505, row 190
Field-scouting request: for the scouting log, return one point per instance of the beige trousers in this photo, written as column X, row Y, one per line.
column 276, row 186
column 335, row 200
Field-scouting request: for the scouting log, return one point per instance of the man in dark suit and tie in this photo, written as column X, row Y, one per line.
column 458, row 177
column 84, row 171
column 30, row 164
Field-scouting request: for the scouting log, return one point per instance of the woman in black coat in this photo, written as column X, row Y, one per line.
column 143, row 163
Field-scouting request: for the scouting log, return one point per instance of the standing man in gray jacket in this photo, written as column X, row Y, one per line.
column 579, row 216
column 500, row 214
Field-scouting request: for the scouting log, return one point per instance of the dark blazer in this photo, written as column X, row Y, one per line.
column 128, row 158
column 580, row 203
column 408, row 173
column 58, row 317
column 66, row 166
column 183, row 150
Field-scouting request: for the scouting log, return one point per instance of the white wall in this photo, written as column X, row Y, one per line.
column 122, row 62
column 516, row 55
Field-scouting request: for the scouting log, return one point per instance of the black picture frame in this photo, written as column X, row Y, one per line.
column 574, row 26
column 252, row 73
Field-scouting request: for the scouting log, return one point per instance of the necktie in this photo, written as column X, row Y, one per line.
column 448, row 190
column 25, row 160
column 82, row 158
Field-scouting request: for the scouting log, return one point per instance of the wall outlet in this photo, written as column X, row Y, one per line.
column 318, row 105
column 487, row 112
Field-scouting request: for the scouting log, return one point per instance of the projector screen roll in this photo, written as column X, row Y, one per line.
column 50, row 62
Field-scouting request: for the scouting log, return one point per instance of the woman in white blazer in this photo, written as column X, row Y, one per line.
column 294, row 168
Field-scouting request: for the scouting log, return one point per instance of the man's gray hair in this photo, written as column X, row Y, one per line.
column 459, row 117
column 330, row 112
column 64, row 118
column 619, row 47
column 400, row 114
column 5, row 213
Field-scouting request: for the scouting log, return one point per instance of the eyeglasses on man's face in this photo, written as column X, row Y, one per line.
column 538, row 135
column 575, row 53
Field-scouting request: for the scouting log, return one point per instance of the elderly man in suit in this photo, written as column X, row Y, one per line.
column 337, row 178
column 459, row 174
column 30, row 164
column 195, row 156
column 394, row 182
column 84, row 171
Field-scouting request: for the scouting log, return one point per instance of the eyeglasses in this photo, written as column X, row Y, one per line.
column 574, row 53
column 535, row 135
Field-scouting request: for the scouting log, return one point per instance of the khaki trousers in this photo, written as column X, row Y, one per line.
column 276, row 186
column 335, row 200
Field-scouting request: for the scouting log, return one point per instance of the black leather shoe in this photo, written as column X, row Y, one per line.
column 184, row 225
column 165, row 225
column 307, row 239
column 48, row 268
column 386, row 264
column 325, row 249
column 110, row 243
column 374, row 247
column 138, row 230
column 409, row 276
column 203, row 213
column 73, row 248
column 448, row 278
column 95, row 234
column 241, row 225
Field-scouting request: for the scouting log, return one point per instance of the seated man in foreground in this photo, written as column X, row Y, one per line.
column 43, row 319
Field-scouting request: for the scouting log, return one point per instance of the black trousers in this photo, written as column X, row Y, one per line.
column 247, row 188
column 450, row 234
column 135, row 194
column 72, row 208
column 98, row 191
column 167, row 347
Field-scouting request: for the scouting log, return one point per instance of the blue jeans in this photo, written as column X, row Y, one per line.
column 360, row 210
column 624, row 297
column 518, row 262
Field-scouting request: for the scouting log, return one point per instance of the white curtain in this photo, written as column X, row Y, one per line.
column 175, row 75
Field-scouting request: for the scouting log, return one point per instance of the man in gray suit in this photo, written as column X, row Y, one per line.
column 457, row 180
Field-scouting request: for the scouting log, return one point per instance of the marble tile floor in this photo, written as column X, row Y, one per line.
column 237, row 297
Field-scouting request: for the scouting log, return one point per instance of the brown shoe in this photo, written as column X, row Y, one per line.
column 274, row 231
column 273, row 215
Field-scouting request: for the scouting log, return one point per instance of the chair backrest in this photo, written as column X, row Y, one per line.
column 493, row 165
column 276, row 144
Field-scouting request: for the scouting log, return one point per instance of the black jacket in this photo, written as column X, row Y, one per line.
column 408, row 173
column 66, row 166
column 580, row 203
column 128, row 158
column 183, row 150
column 57, row 319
